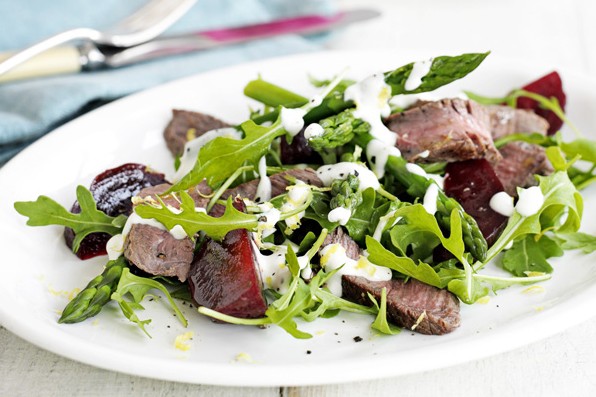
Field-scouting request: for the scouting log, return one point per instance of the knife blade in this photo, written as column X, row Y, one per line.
column 89, row 57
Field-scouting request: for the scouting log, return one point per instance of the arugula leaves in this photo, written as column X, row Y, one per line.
column 578, row 240
column 529, row 255
column 137, row 287
column 219, row 158
column 193, row 221
column 45, row 211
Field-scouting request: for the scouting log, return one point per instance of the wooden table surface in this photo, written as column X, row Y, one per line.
column 561, row 33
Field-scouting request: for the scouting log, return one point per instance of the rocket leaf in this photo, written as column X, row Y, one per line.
column 45, row 211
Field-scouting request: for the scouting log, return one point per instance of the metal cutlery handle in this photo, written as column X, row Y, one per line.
column 44, row 45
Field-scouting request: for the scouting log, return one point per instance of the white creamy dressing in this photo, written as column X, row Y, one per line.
column 419, row 71
column 334, row 256
column 267, row 220
column 430, row 198
column 297, row 196
column 424, row 154
column 313, row 130
column 263, row 192
column 316, row 100
column 292, row 120
column 530, row 201
column 328, row 173
column 339, row 214
column 383, row 221
column 380, row 151
column 275, row 273
column 502, row 203
column 371, row 97
column 192, row 148
column 115, row 245
column 418, row 170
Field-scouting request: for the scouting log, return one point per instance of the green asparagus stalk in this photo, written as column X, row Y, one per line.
column 444, row 70
column 345, row 193
column 95, row 295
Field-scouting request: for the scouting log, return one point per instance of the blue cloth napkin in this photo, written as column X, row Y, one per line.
column 32, row 108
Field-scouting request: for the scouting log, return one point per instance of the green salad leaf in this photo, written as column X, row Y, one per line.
column 561, row 211
column 381, row 324
column 193, row 221
column 45, row 211
column 578, row 240
column 529, row 255
column 138, row 287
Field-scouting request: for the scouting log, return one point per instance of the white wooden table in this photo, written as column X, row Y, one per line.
column 562, row 33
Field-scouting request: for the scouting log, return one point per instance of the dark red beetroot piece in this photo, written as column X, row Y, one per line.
column 472, row 183
column 298, row 152
column 224, row 276
column 547, row 86
column 112, row 191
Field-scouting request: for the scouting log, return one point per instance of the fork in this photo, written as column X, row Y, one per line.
column 145, row 24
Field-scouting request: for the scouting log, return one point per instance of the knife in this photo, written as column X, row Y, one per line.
column 88, row 57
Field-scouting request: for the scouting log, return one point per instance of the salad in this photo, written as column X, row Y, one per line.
column 365, row 198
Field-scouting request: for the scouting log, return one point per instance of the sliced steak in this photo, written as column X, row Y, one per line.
column 449, row 129
column 279, row 183
column 520, row 162
column 406, row 302
column 186, row 125
column 199, row 194
column 157, row 251
column 339, row 236
column 413, row 305
column 225, row 277
column 505, row 120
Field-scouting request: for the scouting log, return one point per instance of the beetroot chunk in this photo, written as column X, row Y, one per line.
column 112, row 191
column 548, row 86
column 225, row 277
column 473, row 183
column 298, row 152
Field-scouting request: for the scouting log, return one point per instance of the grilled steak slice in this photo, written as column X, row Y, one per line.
column 406, row 302
column 279, row 183
column 413, row 305
column 449, row 129
column 157, row 251
column 186, row 125
column 225, row 277
column 520, row 162
column 339, row 236
column 505, row 120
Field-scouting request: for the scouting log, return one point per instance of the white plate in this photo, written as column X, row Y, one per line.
column 38, row 270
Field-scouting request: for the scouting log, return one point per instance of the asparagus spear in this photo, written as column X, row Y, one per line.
column 345, row 193
column 95, row 295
